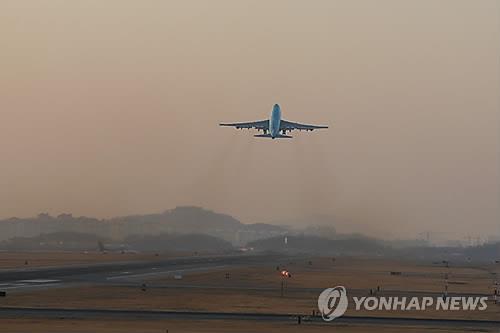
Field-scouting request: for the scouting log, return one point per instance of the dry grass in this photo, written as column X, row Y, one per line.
column 16, row 260
column 354, row 274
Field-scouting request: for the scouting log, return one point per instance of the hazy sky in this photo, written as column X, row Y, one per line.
column 111, row 107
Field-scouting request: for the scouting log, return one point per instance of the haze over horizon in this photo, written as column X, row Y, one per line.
column 110, row 108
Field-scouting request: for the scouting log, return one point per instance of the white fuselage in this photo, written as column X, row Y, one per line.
column 274, row 121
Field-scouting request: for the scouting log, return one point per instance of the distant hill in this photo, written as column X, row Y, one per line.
column 180, row 220
column 197, row 229
column 72, row 241
column 46, row 224
column 182, row 243
column 67, row 241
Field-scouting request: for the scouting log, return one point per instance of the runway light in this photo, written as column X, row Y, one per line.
column 285, row 273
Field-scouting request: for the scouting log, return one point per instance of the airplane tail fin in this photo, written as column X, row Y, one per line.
column 281, row 136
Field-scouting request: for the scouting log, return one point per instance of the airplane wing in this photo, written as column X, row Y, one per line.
column 260, row 125
column 290, row 126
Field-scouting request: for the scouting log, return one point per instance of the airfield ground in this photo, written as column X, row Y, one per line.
column 255, row 288
column 21, row 260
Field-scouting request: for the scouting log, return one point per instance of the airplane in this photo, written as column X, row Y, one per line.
column 275, row 127
column 121, row 248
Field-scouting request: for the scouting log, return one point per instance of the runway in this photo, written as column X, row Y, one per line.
column 13, row 280
column 62, row 313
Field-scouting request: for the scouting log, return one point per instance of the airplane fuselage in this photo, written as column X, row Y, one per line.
column 275, row 121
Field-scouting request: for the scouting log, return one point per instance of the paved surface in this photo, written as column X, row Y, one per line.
column 12, row 280
column 152, row 315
